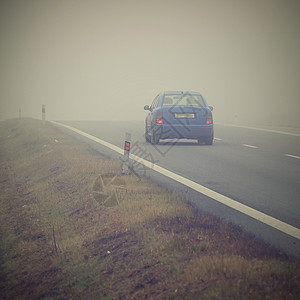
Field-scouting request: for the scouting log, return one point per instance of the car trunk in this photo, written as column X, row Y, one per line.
column 184, row 115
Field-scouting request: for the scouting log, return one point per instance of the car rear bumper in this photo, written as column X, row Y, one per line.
column 184, row 132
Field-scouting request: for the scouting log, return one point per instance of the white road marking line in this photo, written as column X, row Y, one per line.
column 217, row 139
column 250, row 146
column 91, row 137
column 255, row 214
column 294, row 156
column 260, row 129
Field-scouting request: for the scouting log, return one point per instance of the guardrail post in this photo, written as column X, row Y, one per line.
column 125, row 165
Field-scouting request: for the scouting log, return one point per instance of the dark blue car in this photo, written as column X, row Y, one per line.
column 179, row 115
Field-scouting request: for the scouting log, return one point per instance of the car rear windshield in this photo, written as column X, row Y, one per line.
column 183, row 100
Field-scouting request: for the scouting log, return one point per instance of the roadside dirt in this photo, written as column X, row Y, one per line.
column 71, row 227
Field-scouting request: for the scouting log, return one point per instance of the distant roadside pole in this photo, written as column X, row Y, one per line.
column 43, row 112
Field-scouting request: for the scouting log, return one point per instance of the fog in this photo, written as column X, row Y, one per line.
column 104, row 60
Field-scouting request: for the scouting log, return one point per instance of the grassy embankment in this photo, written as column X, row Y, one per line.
column 58, row 240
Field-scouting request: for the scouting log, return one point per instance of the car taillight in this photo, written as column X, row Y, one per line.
column 159, row 118
column 209, row 119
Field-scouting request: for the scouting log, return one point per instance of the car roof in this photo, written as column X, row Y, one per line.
column 180, row 92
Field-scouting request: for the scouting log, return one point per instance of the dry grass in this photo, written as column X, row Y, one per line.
column 59, row 240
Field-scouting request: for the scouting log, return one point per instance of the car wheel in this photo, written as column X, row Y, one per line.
column 147, row 137
column 209, row 141
column 154, row 138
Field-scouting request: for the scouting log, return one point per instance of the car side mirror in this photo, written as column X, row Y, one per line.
column 146, row 107
column 211, row 108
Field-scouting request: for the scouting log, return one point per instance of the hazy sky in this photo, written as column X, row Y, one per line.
column 100, row 60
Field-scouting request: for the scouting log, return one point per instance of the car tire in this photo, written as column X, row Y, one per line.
column 154, row 138
column 209, row 141
column 147, row 137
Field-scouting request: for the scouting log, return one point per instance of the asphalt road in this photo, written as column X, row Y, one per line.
column 260, row 169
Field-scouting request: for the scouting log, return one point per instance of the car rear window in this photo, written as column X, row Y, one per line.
column 183, row 100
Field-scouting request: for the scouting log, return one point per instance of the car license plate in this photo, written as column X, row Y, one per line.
column 184, row 116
